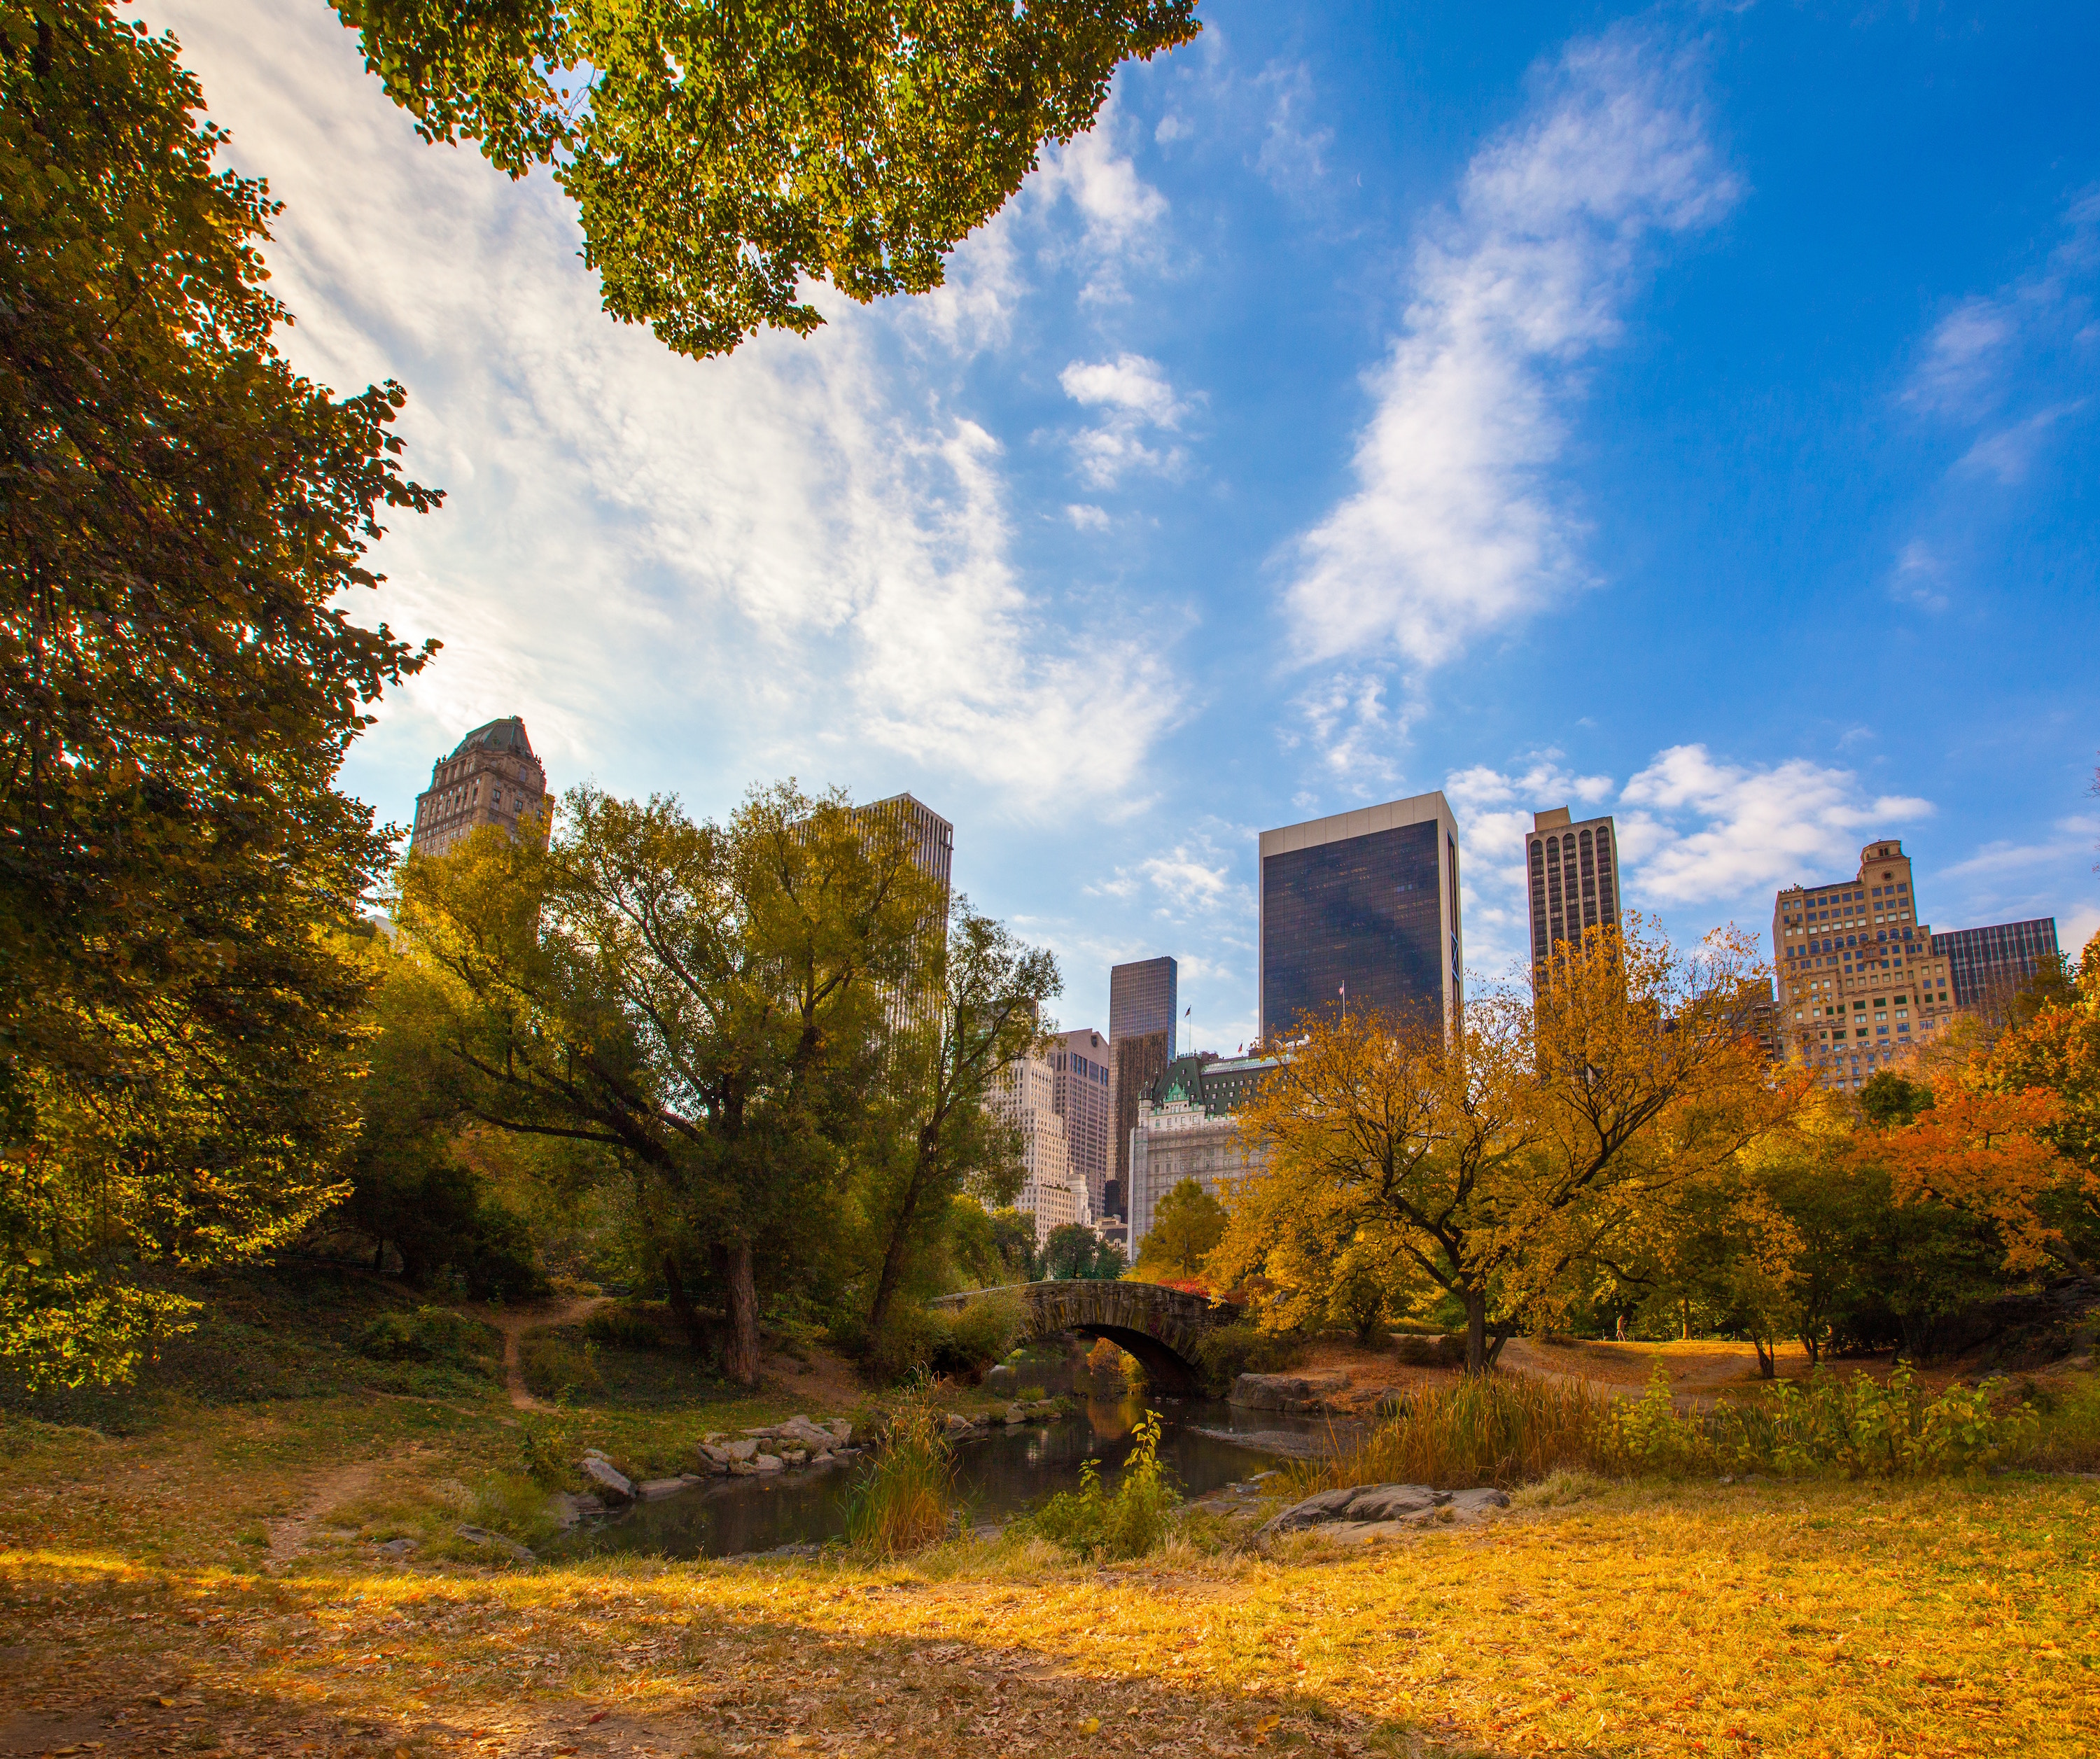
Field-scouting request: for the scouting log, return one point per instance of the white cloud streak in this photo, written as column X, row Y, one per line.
column 1454, row 528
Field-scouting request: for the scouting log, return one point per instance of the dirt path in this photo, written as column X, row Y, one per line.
column 514, row 1322
column 345, row 1484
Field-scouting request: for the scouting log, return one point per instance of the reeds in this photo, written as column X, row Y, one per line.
column 907, row 1499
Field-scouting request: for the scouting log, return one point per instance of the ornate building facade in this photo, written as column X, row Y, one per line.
column 491, row 777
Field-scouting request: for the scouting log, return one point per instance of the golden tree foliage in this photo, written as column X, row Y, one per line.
column 1541, row 1133
column 1985, row 1154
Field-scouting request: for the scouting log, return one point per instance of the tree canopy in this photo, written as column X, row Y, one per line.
column 721, row 154
column 181, row 515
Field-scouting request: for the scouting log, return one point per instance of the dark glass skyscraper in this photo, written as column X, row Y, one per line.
column 1361, row 910
column 1989, row 964
column 1143, row 1004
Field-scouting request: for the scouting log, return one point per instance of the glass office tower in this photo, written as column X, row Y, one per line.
column 1361, row 910
column 1143, row 997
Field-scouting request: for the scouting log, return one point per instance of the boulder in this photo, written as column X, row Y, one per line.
column 481, row 1535
column 608, row 1478
column 795, row 1456
column 739, row 1451
column 397, row 1548
column 1287, row 1392
column 803, row 1434
column 656, row 1489
column 1375, row 1512
column 958, row 1424
column 842, row 1431
column 768, row 1463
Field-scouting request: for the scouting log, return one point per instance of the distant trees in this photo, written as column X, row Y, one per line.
column 182, row 982
column 1073, row 1253
column 720, row 157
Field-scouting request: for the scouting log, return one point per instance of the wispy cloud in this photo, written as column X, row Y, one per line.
column 1135, row 396
column 1293, row 145
column 2074, row 838
column 1706, row 831
column 1455, row 527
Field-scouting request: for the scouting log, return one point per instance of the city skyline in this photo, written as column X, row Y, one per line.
column 1124, row 546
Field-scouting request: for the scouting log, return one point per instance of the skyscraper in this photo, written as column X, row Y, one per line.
column 1025, row 1094
column 1574, row 879
column 1361, row 910
column 1143, row 999
column 491, row 777
column 932, row 839
column 1080, row 1065
column 1861, row 978
column 1986, row 965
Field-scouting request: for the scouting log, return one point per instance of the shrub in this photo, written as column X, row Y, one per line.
column 2067, row 1431
column 1129, row 1521
column 624, row 1326
column 962, row 1341
column 1232, row 1351
column 907, row 1498
column 429, row 1335
column 556, row 1369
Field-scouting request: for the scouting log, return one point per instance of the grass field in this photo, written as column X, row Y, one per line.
column 207, row 1581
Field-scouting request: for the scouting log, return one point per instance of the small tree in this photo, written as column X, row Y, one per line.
column 1187, row 1225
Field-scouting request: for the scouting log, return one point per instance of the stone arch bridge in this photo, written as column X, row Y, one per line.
column 1163, row 1328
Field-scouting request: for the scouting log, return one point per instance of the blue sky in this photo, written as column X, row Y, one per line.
column 1688, row 413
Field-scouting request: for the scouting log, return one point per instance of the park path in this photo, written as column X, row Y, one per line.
column 514, row 1322
column 345, row 1484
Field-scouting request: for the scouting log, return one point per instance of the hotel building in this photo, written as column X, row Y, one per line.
column 1861, row 978
column 491, row 777
column 1026, row 1096
column 1361, row 910
column 1186, row 1129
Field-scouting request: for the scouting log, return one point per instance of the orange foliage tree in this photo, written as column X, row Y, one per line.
column 1985, row 1155
column 1538, row 1133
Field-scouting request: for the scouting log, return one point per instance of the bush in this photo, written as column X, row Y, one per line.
column 1232, row 1351
column 2068, row 1433
column 1486, row 1429
column 907, row 1499
column 625, row 1327
column 960, row 1342
column 556, row 1369
column 429, row 1335
column 1099, row 1525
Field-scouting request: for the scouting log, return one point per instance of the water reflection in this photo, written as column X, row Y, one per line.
column 1001, row 1474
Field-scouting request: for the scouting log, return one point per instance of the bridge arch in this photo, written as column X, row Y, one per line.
column 1163, row 1328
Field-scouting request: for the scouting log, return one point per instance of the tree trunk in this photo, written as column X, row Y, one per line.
column 1476, row 1331
column 682, row 1305
column 740, row 1359
column 893, row 1253
column 1767, row 1357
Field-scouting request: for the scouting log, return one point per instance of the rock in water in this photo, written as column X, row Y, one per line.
column 1286, row 1392
column 607, row 1477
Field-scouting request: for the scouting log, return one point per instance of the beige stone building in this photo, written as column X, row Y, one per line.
column 491, row 778
column 1053, row 1191
column 1860, row 982
column 1187, row 1129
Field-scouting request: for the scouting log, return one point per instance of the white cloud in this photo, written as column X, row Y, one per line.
column 1454, row 528
column 793, row 547
column 1123, row 216
column 1704, row 831
column 1494, row 810
column 2007, row 452
column 1087, row 518
column 1136, row 395
column 1918, row 574
column 1293, row 156
column 2074, row 838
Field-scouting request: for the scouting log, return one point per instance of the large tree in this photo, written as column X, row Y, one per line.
column 721, row 152
column 181, row 517
column 707, row 999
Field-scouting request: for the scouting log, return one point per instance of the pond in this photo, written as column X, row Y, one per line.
column 1003, row 1474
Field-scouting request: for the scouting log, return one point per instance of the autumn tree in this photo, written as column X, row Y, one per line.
column 1187, row 1224
column 720, row 156
column 1536, row 1134
column 931, row 1131
column 181, row 518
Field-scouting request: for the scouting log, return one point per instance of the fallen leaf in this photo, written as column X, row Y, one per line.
column 595, row 1717
column 1092, row 1725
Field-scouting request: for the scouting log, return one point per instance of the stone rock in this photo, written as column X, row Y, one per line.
column 1390, row 1404
column 768, row 1463
column 842, row 1431
column 1014, row 1414
column 567, row 1510
column 742, row 1469
column 737, row 1451
column 1286, row 1392
column 607, row 1477
column 958, row 1424
column 795, row 1456
column 806, row 1435
column 656, row 1489
column 397, row 1548
column 766, row 1434
column 596, row 1453
column 1358, row 1509
column 481, row 1535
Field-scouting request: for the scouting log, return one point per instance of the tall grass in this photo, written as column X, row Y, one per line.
column 907, row 1499
column 1508, row 1430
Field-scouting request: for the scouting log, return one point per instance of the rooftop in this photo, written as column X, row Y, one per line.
column 507, row 734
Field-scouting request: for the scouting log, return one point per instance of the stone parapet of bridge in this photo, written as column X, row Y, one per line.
column 1163, row 1328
